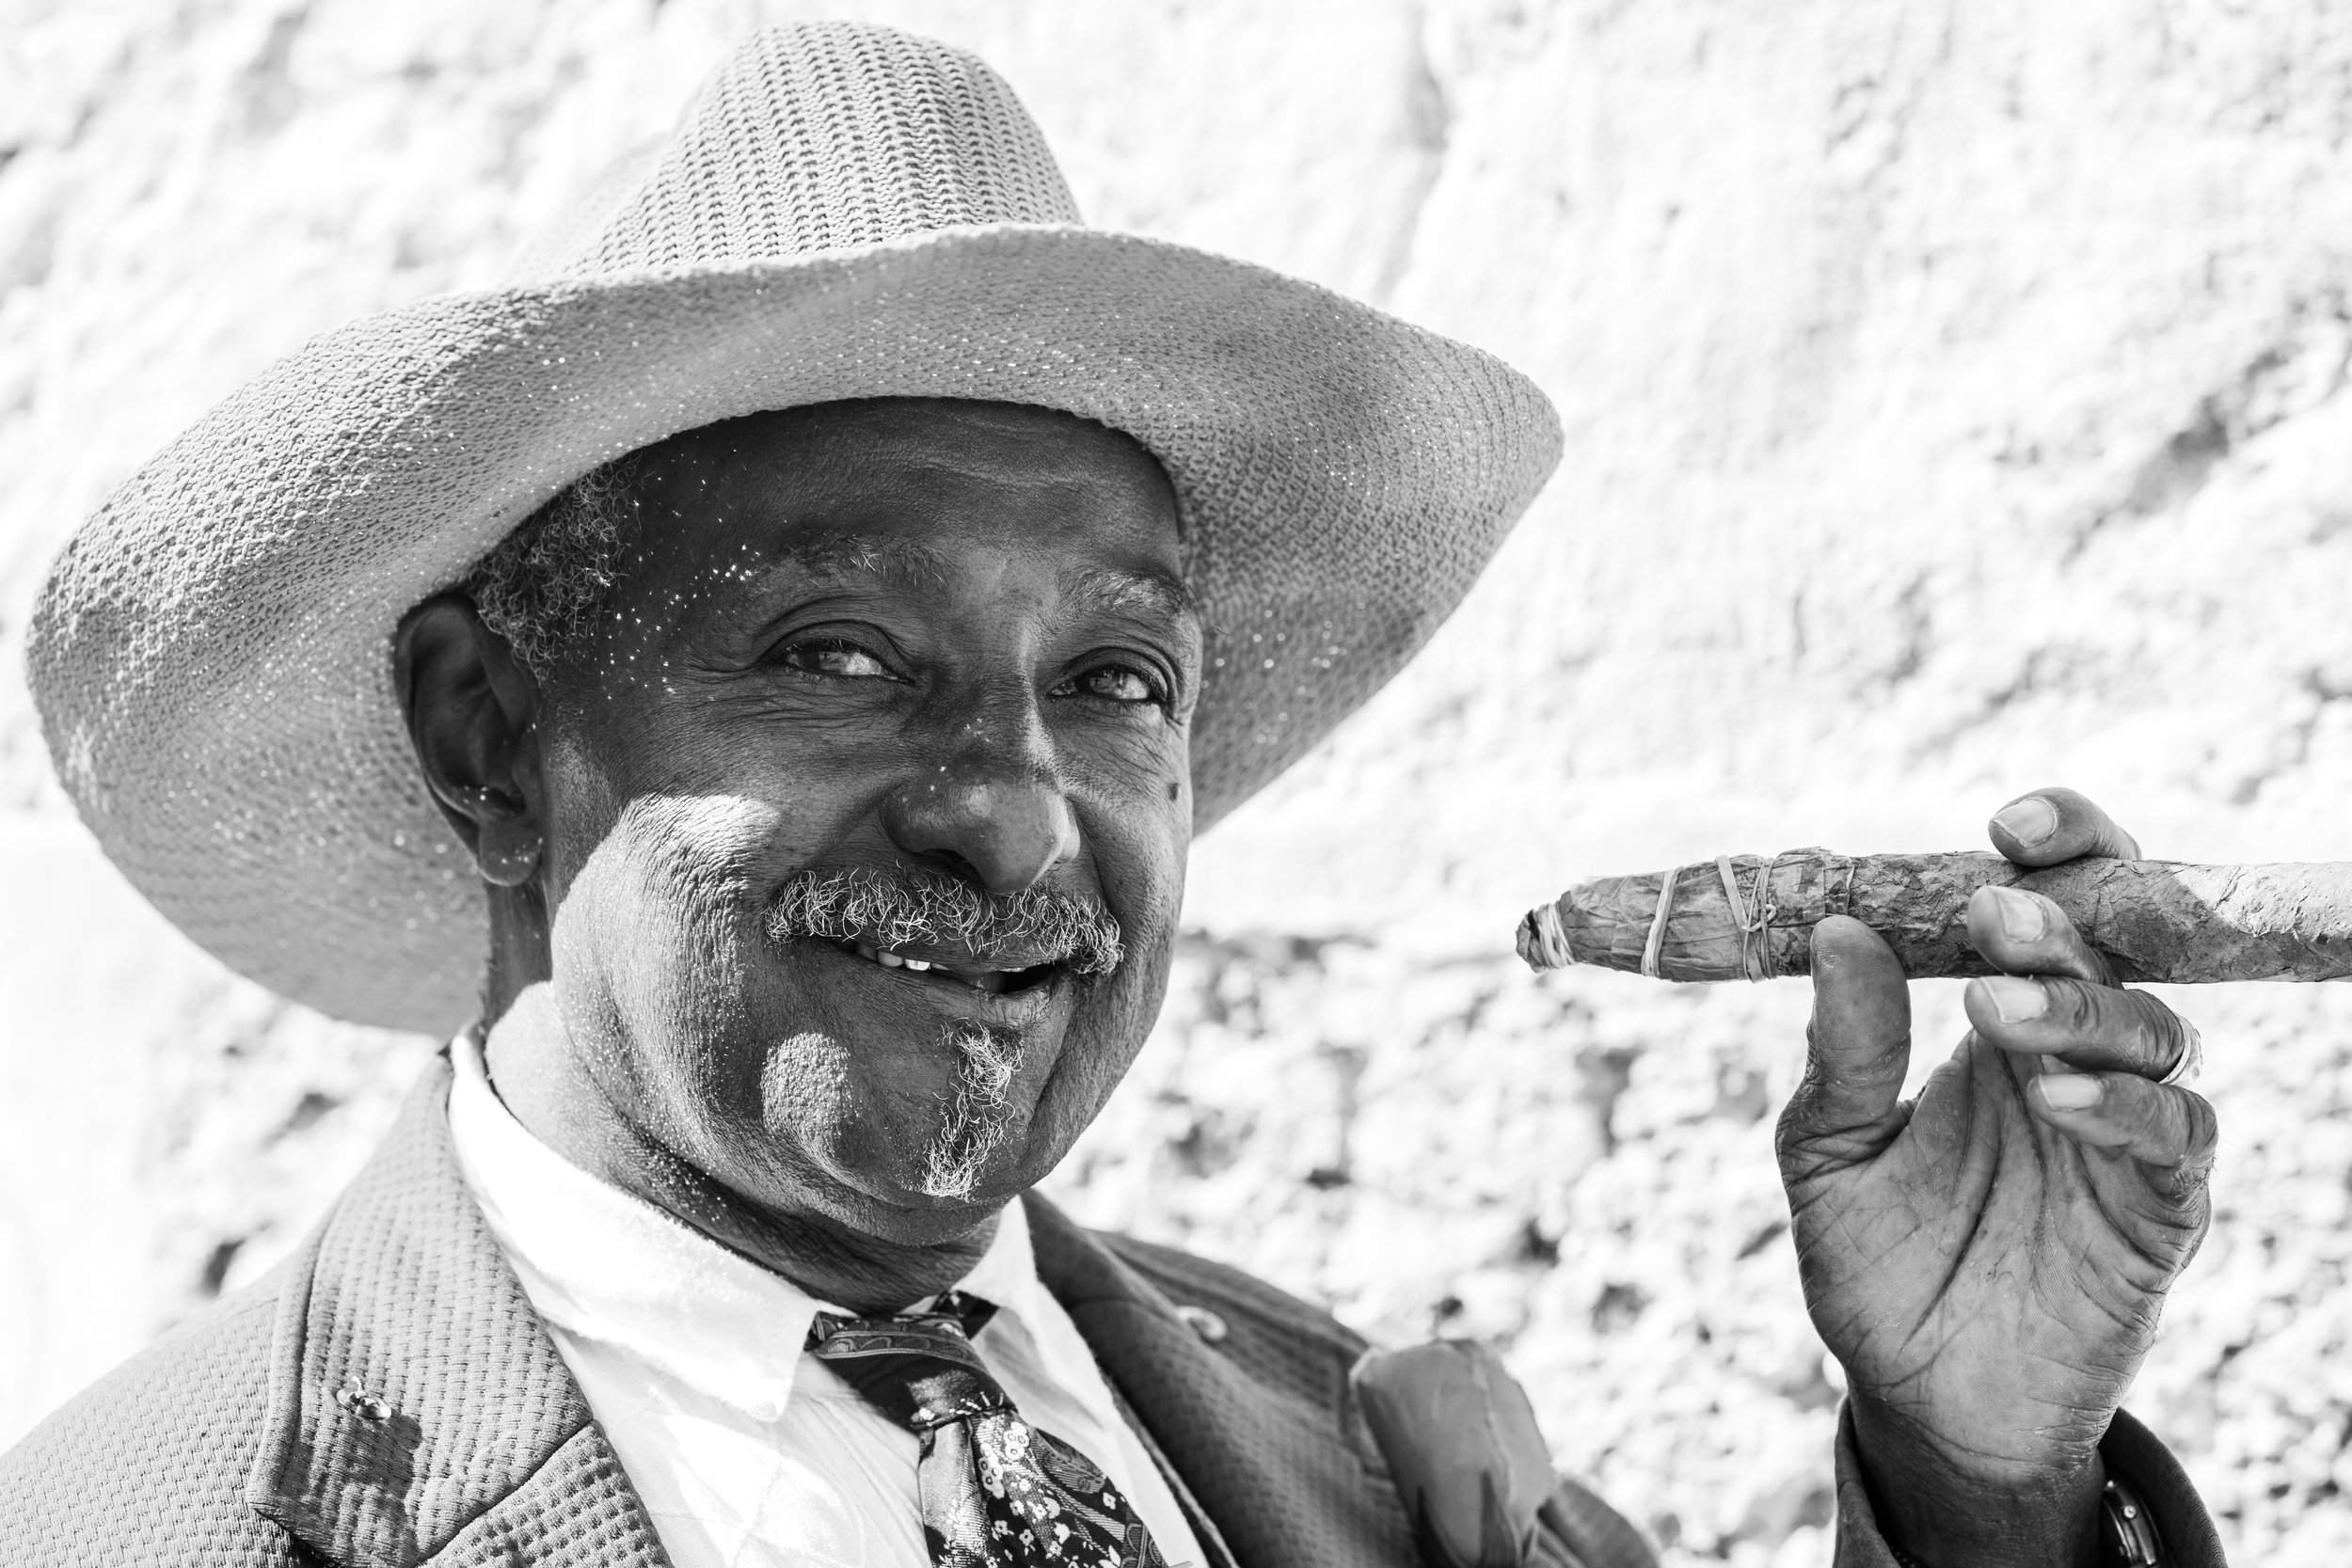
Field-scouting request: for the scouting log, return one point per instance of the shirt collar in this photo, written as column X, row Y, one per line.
column 608, row 1266
column 1007, row 1273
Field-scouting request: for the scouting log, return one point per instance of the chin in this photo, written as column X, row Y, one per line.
column 904, row 1207
column 908, row 1109
column 910, row 1157
column 962, row 1163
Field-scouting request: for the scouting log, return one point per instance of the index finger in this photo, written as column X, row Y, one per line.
column 2043, row 827
column 2089, row 1028
column 2021, row 932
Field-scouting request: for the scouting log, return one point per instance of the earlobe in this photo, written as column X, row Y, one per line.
column 507, row 852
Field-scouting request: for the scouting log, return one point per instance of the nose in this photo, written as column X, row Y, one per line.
column 1003, row 827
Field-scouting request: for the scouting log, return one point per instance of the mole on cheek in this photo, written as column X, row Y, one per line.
column 1173, row 786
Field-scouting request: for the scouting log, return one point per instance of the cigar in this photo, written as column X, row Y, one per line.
column 1753, row 917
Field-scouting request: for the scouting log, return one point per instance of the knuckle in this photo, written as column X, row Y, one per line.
column 2075, row 1009
column 2179, row 1144
column 2130, row 1106
column 2166, row 1123
column 2204, row 1126
column 2159, row 1036
column 1801, row 1118
column 2189, row 1188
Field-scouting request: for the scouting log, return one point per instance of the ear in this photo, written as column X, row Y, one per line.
column 472, row 709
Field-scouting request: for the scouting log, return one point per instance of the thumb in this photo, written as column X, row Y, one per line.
column 2043, row 827
column 1859, row 1047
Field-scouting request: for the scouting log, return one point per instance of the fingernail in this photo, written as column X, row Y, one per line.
column 2069, row 1091
column 2029, row 821
column 2015, row 1000
column 2021, row 918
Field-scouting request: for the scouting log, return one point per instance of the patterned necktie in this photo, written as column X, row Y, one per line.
column 996, row 1492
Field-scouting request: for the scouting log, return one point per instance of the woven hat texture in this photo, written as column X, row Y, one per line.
column 843, row 212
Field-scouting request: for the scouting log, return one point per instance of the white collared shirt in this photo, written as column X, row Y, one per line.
column 746, row 1451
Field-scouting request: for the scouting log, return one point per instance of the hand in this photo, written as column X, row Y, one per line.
column 1988, row 1261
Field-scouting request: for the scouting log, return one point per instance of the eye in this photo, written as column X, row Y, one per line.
column 1115, row 683
column 835, row 657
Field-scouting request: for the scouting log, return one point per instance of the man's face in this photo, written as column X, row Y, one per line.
column 866, row 804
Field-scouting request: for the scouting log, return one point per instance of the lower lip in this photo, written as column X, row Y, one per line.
column 1011, row 1009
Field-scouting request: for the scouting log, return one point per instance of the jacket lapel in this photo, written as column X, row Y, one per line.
column 1275, row 1470
column 417, row 1410
column 418, row 1413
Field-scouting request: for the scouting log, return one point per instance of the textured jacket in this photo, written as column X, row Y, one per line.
column 388, row 1397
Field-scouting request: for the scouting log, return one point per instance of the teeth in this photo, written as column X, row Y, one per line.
column 989, row 980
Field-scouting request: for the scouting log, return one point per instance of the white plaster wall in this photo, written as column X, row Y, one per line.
column 1955, row 404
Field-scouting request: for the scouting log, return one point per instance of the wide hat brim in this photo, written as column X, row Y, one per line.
column 212, row 653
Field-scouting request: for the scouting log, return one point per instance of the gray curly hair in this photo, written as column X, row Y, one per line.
column 540, row 585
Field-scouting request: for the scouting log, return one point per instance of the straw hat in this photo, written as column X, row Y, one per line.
column 843, row 212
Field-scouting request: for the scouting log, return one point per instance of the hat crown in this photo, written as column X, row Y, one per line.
column 816, row 136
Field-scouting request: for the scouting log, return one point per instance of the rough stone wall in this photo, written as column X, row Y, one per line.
column 1955, row 404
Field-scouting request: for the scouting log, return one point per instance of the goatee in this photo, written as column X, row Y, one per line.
column 986, row 1060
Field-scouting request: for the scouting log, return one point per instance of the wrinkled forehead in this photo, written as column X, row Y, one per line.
column 893, row 484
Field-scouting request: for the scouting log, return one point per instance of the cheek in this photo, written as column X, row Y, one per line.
column 580, row 808
column 1131, row 1005
column 698, row 787
column 1132, row 797
column 807, row 1093
column 1139, row 853
column 1137, row 822
column 650, row 937
column 1108, row 1034
column 820, row 1109
column 674, row 869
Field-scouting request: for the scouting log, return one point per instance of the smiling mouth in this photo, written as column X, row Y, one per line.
column 960, row 971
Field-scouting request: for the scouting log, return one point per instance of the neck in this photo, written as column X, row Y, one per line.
column 519, row 948
column 862, row 1273
column 544, row 1087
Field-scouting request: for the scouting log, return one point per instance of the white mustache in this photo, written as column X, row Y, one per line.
column 919, row 908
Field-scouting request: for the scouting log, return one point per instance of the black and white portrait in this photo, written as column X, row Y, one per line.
column 1175, row 784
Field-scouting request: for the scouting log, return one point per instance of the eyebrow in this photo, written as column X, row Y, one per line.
column 901, row 563
column 1162, row 592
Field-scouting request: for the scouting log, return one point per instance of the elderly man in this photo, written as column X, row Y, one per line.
column 821, row 608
